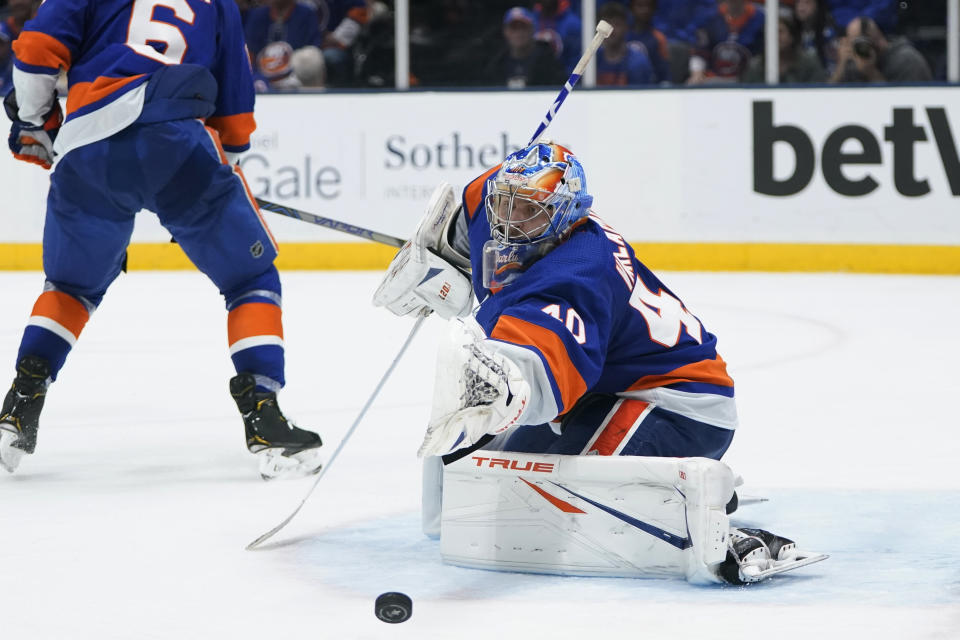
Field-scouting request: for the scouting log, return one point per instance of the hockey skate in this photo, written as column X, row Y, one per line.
column 754, row 555
column 20, row 414
column 285, row 450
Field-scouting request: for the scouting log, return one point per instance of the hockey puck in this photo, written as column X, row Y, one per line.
column 393, row 607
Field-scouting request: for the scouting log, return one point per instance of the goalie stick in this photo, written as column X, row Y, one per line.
column 330, row 223
column 603, row 30
column 343, row 441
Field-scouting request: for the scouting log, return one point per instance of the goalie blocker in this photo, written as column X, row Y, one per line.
column 627, row 516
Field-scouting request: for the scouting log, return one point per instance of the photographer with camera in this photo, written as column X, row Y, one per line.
column 865, row 55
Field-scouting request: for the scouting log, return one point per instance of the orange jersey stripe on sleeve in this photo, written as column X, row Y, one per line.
column 254, row 319
column 706, row 371
column 234, row 130
column 84, row 93
column 475, row 190
column 41, row 50
column 523, row 333
column 63, row 309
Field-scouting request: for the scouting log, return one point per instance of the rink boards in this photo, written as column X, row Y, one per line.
column 817, row 179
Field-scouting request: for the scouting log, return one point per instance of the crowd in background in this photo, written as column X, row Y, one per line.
column 309, row 44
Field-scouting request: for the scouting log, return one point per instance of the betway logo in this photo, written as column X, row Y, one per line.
column 902, row 133
column 515, row 465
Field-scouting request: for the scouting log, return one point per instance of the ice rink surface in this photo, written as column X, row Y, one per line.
column 130, row 520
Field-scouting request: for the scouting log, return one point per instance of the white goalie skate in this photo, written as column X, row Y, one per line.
column 754, row 555
column 274, row 465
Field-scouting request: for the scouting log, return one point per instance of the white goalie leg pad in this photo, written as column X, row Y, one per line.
column 419, row 275
column 623, row 516
column 431, row 496
column 477, row 391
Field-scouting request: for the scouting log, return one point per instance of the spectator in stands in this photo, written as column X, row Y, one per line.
column 557, row 22
column 796, row 63
column 310, row 67
column 680, row 19
column 523, row 61
column 451, row 41
column 883, row 12
column 273, row 71
column 19, row 12
column 282, row 21
column 652, row 39
column 865, row 55
column 726, row 41
column 818, row 32
column 278, row 68
column 340, row 26
column 619, row 63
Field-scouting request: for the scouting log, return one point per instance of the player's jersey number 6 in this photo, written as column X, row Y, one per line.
column 144, row 29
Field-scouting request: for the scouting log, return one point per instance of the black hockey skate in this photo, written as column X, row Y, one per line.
column 20, row 414
column 285, row 450
column 756, row 554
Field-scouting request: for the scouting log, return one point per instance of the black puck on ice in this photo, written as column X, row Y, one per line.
column 393, row 607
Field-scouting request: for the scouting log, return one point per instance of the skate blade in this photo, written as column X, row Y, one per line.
column 797, row 560
column 9, row 455
column 276, row 466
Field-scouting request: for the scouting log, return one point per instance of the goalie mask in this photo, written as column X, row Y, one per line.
column 532, row 201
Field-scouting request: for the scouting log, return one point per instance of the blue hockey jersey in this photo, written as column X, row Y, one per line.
column 590, row 317
column 112, row 48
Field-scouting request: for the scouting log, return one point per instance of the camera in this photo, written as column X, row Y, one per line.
column 862, row 47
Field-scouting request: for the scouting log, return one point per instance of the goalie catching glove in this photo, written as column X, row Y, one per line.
column 427, row 272
column 477, row 391
column 29, row 142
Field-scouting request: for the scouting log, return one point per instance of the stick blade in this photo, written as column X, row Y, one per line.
column 269, row 534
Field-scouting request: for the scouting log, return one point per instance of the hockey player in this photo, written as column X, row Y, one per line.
column 576, row 347
column 160, row 104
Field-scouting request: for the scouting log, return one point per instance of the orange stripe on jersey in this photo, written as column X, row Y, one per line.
column 474, row 190
column 215, row 137
column 623, row 418
column 41, row 50
column 520, row 332
column 83, row 93
column 62, row 308
column 254, row 319
column 563, row 505
column 234, row 130
column 706, row 371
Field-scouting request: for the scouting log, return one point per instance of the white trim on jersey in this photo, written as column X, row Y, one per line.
column 102, row 123
column 35, row 94
column 53, row 327
column 716, row 410
column 541, row 407
column 255, row 341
